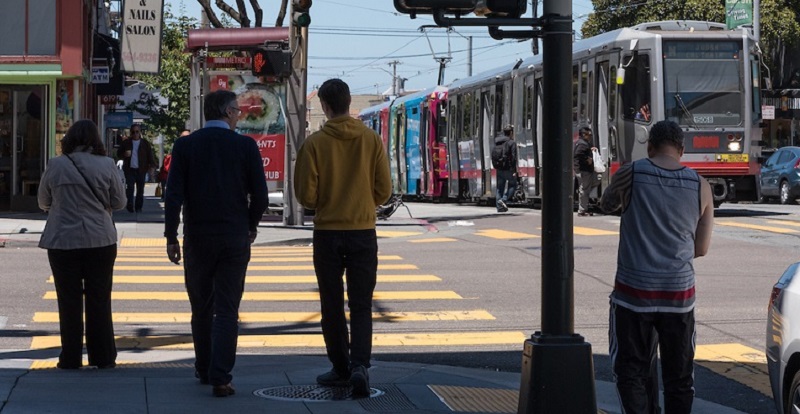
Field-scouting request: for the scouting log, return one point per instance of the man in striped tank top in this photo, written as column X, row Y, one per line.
column 667, row 216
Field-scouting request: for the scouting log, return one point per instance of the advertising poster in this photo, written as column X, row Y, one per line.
column 65, row 105
column 261, row 118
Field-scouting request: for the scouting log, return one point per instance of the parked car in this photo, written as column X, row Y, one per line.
column 783, row 341
column 780, row 175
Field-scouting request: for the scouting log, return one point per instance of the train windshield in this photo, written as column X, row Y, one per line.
column 703, row 84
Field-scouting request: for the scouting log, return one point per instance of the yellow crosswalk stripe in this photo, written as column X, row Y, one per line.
column 587, row 231
column 279, row 296
column 283, row 317
column 391, row 234
column 785, row 222
column 438, row 339
column 254, row 280
column 740, row 363
column 433, row 240
column 755, row 227
column 164, row 259
column 504, row 234
column 258, row 268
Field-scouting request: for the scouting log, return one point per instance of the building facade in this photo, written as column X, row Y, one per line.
column 45, row 86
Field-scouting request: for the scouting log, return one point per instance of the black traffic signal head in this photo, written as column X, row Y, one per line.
column 272, row 61
column 300, row 16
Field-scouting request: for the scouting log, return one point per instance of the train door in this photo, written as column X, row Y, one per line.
column 605, row 130
column 485, row 141
column 475, row 146
column 454, row 129
column 425, row 181
column 402, row 169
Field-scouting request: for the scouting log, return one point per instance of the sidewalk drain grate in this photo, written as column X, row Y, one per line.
column 310, row 393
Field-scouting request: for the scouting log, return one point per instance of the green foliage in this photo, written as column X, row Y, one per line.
column 173, row 81
column 780, row 21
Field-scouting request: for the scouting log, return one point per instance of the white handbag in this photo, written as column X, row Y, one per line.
column 597, row 161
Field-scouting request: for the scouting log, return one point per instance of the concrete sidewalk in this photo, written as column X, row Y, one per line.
column 159, row 381
column 163, row 382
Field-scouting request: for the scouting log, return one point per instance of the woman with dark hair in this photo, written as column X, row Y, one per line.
column 79, row 190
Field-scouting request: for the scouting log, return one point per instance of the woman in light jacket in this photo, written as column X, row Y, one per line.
column 80, row 189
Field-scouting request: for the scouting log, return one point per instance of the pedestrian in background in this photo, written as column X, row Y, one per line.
column 217, row 176
column 343, row 173
column 583, row 166
column 80, row 189
column 163, row 172
column 138, row 160
column 504, row 160
column 652, row 304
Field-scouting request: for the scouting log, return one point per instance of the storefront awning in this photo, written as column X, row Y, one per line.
column 235, row 38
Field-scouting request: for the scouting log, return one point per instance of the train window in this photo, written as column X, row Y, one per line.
column 466, row 113
column 584, row 90
column 636, row 89
column 756, row 91
column 575, row 94
column 441, row 125
column 590, row 92
column 612, row 93
column 527, row 115
column 498, row 110
column 414, row 111
column 477, row 115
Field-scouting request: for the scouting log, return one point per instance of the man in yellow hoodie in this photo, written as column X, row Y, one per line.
column 342, row 172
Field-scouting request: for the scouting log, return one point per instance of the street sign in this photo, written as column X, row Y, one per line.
column 100, row 74
column 767, row 112
column 108, row 99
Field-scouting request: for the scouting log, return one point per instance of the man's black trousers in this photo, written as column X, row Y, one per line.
column 634, row 338
column 354, row 253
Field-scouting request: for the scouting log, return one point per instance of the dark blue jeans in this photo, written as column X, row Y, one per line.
column 353, row 253
column 84, row 275
column 135, row 176
column 214, row 268
column 505, row 177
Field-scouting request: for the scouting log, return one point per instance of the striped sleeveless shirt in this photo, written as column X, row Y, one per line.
column 655, row 272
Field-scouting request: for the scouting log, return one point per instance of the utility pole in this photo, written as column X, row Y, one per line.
column 469, row 56
column 395, row 86
column 293, row 212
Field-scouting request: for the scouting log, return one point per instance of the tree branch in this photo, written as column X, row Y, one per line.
column 228, row 9
column 281, row 13
column 245, row 21
column 258, row 12
column 212, row 17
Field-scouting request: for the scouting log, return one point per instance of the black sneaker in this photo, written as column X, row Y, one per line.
column 501, row 205
column 333, row 379
column 359, row 379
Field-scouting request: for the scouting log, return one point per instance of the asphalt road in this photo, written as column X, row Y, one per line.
column 492, row 262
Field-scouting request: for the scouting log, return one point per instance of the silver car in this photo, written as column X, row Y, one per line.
column 783, row 341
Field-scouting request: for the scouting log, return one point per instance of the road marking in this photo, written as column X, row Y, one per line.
column 184, row 342
column 435, row 240
column 740, row 363
column 51, row 364
column 254, row 280
column 587, row 231
column 504, row 234
column 474, row 400
column 259, row 268
column 252, row 260
column 392, row 234
column 785, row 222
column 283, row 317
column 755, row 227
column 280, row 296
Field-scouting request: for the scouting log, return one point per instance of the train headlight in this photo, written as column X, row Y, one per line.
column 734, row 146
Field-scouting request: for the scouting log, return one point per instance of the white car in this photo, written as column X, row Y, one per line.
column 783, row 341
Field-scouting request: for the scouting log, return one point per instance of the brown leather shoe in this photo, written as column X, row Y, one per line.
column 223, row 390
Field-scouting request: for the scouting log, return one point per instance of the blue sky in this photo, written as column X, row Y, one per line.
column 355, row 40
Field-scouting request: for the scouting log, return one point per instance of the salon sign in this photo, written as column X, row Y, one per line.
column 141, row 36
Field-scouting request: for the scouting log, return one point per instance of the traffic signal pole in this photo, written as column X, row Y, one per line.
column 557, row 367
column 293, row 212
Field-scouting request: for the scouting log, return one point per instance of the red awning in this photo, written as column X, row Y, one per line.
column 235, row 38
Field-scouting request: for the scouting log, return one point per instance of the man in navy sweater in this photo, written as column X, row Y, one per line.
column 217, row 176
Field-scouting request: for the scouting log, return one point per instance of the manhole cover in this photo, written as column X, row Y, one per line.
column 310, row 393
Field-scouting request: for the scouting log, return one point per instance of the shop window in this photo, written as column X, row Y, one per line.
column 28, row 23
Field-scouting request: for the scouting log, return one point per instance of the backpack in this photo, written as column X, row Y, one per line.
column 500, row 157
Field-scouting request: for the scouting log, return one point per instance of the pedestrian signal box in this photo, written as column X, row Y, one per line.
column 272, row 60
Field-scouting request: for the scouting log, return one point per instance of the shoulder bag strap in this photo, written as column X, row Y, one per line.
column 88, row 184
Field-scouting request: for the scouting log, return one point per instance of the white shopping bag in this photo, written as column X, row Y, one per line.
column 597, row 160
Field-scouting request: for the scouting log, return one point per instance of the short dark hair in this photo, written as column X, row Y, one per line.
column 138, row 125
column 336, row 94
column 508, row 129
column 584, row 130
column 216, row 103
column 666, row 133
column 83, row 133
